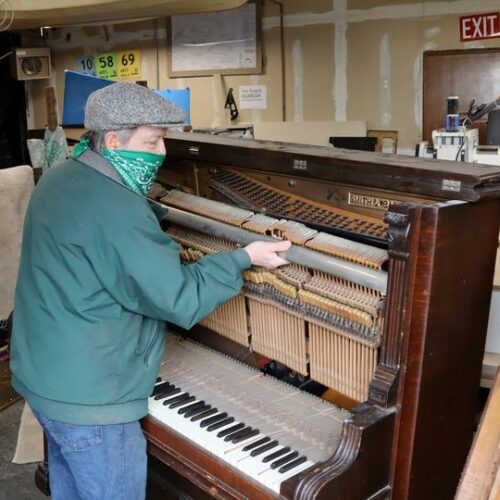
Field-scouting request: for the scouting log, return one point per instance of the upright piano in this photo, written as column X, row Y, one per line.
column 352, row 372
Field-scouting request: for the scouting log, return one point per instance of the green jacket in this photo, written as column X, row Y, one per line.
column 97, row 281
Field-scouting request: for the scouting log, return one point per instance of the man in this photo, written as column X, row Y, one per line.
column 98, row 279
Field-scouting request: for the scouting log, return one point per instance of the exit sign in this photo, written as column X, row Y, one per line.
column 479, row 27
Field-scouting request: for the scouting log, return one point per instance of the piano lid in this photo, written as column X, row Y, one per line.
column 438, row 179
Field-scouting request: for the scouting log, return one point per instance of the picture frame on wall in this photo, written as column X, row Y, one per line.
column 226, row 43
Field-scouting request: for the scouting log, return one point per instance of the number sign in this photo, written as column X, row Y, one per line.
column 129, row 64
column 112, row 65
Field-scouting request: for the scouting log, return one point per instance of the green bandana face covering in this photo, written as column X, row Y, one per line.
column 136, row 168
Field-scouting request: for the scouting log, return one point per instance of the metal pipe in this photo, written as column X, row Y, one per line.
column 371, row 278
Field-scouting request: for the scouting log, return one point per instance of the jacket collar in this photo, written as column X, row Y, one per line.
column 98, row 162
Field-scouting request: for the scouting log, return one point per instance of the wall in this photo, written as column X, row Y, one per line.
column 344, row 60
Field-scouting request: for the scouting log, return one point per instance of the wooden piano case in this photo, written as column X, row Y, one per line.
column 411, row 437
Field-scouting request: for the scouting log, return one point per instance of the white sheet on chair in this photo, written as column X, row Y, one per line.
column 16, row 186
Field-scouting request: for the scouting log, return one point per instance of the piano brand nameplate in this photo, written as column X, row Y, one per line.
column 363, row 200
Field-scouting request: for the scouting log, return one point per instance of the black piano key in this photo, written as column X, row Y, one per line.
column 220, row 424
column 212, row 420
column 291, row 465
column 284, row 460
column 190, row 407
column 180, row 397
column 195, row 411
column 167, row 392
column 181, row 402
column 230, row 430
column 237, row 434
column 276, row 454
column 250, row 433
column 255, row 444
column 262, row 449
column 204, row 414
column 160, row 387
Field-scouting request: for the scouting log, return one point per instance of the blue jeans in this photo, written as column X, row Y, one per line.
column 95, row 462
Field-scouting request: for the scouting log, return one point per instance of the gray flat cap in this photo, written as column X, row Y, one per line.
column 124, row 105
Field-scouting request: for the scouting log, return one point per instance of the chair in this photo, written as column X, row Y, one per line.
column 16, row 186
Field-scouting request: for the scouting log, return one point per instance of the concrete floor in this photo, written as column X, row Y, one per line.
column 17, row 482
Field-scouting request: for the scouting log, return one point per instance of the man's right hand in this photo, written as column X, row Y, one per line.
column 265, row 254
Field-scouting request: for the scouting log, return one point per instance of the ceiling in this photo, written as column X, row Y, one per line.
column 26, row 14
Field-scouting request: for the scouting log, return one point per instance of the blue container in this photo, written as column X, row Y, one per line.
column 77, row 88
column 452, row 123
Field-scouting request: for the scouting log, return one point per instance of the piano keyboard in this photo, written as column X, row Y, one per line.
column 262, row 427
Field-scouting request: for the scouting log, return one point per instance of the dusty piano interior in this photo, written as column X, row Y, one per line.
column 381, row 315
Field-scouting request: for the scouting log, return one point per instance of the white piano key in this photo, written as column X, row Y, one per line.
column 273, row 479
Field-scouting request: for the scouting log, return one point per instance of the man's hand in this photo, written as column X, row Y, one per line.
column 265, row 254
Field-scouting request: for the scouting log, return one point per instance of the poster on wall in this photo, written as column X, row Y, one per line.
column 224, row 43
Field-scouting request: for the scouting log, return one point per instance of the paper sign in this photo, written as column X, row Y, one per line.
column 106, row 65
column 86, row 65
column 253, row 97
column 129, row 64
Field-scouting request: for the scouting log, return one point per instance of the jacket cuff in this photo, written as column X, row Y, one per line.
column 242, row 258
